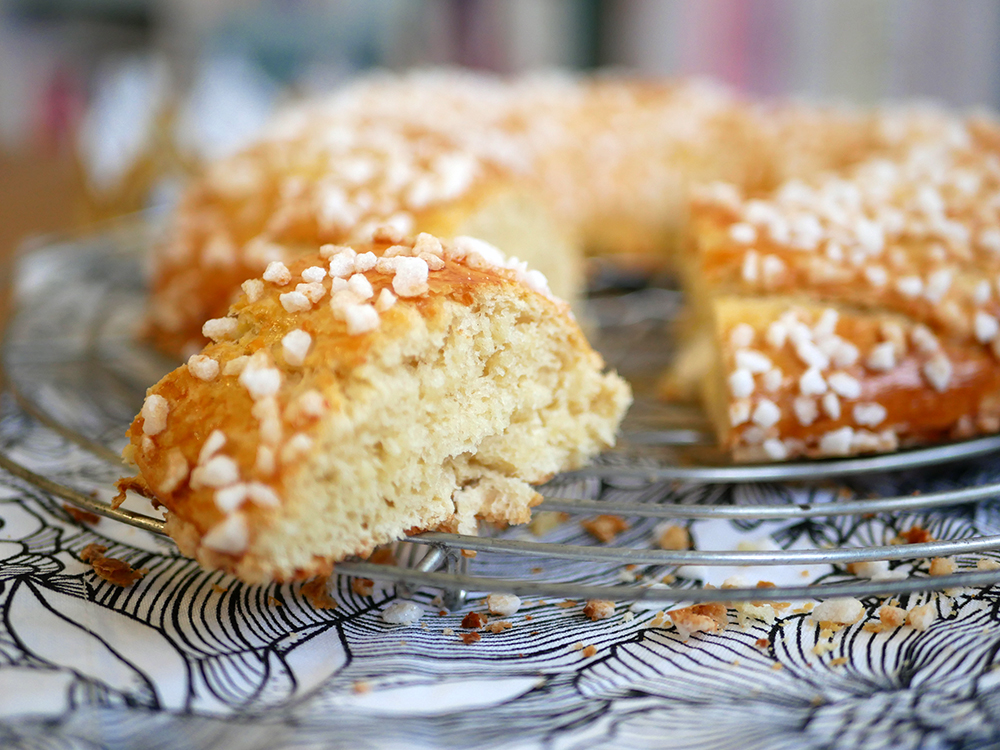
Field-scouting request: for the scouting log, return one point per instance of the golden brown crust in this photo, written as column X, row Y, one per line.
column 610, row 158
column 860, row 404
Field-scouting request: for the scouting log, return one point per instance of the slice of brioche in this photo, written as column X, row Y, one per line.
column 852, row 313
column 357, row 395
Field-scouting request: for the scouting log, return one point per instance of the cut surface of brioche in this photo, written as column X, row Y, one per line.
column 400, row 400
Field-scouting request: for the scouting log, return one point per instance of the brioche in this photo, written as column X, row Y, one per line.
column 779, row 217
column 355, row 395
column 853, row 313
column 546, row 168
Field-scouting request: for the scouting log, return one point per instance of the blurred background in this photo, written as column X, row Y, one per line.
column 106, row 105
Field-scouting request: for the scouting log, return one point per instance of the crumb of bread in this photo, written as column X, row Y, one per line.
column 114, row 571
column 598, row 609
column 825, row 643
column 921, row 617
column 81, row 516
column 92, row 552
column 762, row 643
column 131, row 484
column 317, row 593
column 589, row 651
column 891, row 617
column 915, row 535
column 942, row 566
column 473, row 621
column 673, row 537
column 469, row 553
column 838, row 662
column 690, row 620
column 747, row 611
column 219, row 589
column 544, row 521
column 361, row 687
column 274, row 601
column 498, row 626
column 987, row 563
column 362, row 586
column 567, row 603
column 658, row 619
column 469, row 638
column 447, row 631
column 604, row 528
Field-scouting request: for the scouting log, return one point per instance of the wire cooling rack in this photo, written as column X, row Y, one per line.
column 73, row 361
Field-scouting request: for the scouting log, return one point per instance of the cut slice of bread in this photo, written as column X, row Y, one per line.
column 853, row 313
column 357, row 395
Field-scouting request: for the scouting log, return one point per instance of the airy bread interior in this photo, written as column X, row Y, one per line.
column 448, row 424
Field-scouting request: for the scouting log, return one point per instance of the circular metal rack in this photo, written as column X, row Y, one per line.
column 73, row 362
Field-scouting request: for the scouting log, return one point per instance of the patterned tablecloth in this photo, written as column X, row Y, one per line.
column 190, row 659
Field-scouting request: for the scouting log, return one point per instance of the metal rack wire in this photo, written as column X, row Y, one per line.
column 436, row 559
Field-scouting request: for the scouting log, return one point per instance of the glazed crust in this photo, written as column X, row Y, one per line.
column 610, row 160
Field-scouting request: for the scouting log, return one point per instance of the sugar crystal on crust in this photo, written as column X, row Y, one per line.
column 386, row 299
column 314, row 274
column 219, row 329
column 231, row 535
column 313, row 291
column 295, row 302
column 203, row 367
column 154, row 414
column 410, row 279
column 176, row 471
column 218, row 471
column 295, row 346
column 277, row 273
column 215, row 441
column 259, row 378
column 253, row 289
column 359, row 285
column 360, row 319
